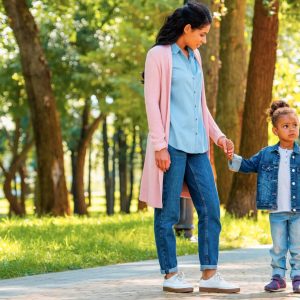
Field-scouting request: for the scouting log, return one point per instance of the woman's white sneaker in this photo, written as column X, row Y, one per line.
column 216, row 284
column 177, row 284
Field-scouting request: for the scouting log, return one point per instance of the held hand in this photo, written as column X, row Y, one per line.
column 227, row 146
column 162, row 159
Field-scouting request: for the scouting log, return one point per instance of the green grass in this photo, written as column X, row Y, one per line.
column 32, row 246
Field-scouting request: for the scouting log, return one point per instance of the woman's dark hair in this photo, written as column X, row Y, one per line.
column 193, row 13
column 279, row 108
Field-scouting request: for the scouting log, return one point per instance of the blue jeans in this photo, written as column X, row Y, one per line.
column 196, row 171
column 285, row 230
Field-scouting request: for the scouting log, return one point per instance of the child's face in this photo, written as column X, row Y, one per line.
column 287, row 128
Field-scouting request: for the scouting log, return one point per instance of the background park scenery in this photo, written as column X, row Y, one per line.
column 73, row 127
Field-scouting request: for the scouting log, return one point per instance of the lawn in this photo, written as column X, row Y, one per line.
column 34, row 245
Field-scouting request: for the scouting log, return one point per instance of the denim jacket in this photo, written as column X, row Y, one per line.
column 266, row 163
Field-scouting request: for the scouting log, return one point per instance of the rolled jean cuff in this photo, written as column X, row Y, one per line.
column 173, row 270
column 208, row 267
column 278, row 271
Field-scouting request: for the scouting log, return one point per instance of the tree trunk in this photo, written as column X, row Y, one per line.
column 9, row 175
column 232, row 83
column 141, row 204
column 258, row 98
column 14, row 205
column 81, row 207
column 87, row 132
column 122, row 155
column 107, row 175
column 210, row 58
column 47, row 132
column 22, row 172
column 131, row 168
column 90, row 176
column 113, row 173
column 73, row 184
column 211, row 65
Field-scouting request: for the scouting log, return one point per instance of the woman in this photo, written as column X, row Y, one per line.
column 180, row 126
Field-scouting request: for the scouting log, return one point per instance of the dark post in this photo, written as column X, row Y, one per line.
column 185, row 223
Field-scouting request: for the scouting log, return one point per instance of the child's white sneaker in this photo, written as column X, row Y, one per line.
column 216, row 284
column 177, row 284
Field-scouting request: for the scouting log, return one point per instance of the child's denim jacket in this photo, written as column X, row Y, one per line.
column 266, row 163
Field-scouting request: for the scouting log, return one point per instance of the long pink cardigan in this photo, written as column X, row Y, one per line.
column 157, row 92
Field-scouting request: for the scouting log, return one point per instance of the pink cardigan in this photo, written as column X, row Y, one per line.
column 157, row 91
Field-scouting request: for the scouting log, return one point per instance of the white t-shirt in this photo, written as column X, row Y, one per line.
column 284, row 182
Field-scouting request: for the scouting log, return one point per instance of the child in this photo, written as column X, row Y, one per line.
column 278, row 190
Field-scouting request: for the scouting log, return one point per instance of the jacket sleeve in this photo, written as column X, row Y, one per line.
column 152, row 92
column 239, row 164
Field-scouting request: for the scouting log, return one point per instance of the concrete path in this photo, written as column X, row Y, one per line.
column 247, row 267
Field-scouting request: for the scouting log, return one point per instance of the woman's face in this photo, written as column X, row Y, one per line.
column 194, row 38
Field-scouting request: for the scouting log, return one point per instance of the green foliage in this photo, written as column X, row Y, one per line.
column 33, row 246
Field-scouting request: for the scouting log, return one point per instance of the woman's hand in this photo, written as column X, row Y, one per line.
column 227, row 146
column 162, row 159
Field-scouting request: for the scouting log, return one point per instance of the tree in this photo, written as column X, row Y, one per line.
column 52, row 185
column 232, row 82
column 211, row 62
column 258, row 97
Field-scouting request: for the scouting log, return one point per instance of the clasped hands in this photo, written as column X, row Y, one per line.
column 163, row 161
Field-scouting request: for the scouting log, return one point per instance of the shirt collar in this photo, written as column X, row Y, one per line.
column 176, row 49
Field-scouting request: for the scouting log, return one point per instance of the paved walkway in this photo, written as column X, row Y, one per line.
column 247, row 267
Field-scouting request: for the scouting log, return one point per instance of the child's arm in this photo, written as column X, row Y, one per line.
column 239, row 164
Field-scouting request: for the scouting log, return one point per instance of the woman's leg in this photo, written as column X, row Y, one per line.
column 200, row 180
column 166, row 217
column 279, row 232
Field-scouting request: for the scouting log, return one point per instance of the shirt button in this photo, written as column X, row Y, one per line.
column 293, row 170
column 196, row 133
column 293, row 156
column 293, row 183
column 294, row 197
column 293, row 209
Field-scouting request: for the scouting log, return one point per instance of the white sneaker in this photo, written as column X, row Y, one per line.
column 177, row 284
column 216, row 284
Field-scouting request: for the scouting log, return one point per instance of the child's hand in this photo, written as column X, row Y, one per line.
column 227, row 146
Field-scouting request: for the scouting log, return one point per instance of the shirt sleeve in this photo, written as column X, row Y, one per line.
column 239, row 164
column 235, row 164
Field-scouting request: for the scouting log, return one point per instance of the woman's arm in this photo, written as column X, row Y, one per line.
column 152, row 91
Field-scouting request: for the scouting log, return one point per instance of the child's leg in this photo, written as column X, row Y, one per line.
column 294, row 243
column 279, row 232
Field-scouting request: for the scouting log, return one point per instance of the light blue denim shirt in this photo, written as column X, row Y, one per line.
column 187, row 132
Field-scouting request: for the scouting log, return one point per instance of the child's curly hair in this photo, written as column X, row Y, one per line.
column 279, row 108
